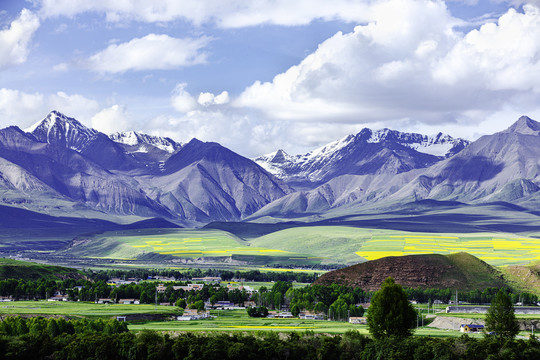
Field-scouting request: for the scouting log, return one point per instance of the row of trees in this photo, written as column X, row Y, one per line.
column 474, row 296
column 337, row 301
column 391, row 314
column 268, row 345
column 18, row 326
column 251, row 275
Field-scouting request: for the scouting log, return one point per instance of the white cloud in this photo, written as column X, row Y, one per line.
column 18, row 108
column 399, row 69
column 149, row 53
column 15, row 41
column 74, row 105
column 111, row 120
column 182, row 100
column 206, row 98
column 227, row 14
column 24, row 109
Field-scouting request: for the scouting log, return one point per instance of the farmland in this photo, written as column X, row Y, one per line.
column 182, row 244
column 81, row 309
column 300, row 246
column 355, row 244
column 224, row 321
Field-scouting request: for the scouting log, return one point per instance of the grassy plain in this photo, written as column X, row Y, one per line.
column 307, row 245
column 353, row 245
column 81, row 309
column 181, row 243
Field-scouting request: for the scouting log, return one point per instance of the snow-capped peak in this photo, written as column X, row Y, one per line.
column 317, row 164
column 59, row 128
column 134, row 138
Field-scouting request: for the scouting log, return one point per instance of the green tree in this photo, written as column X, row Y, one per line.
column 390, row 313
column 181, row 303
column 500, row 317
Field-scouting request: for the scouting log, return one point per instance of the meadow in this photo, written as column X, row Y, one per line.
column 81, row 309
column 356, row 244
column 183, row 243
column 309, row 245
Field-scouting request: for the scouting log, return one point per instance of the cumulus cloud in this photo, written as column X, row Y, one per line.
column 111, row 120
column 227, row 14
column 206, row 98
column 24, row 109
column 181, row 100
column 152, row 52
column 18, row 108
column 73, row 105
column 398, row 68
column 15, row 40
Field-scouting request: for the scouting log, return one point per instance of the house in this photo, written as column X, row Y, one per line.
column 207, row 279
column 471, row 328
column 189, row 287
column 58, row 298
column 280, row 315
column 5, row 298
column 104, row 301
column 193, row 314
column 307, row 315
column 129, row 301
column 361, row 320
column 161, row 288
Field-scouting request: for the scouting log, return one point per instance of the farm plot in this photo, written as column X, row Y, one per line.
column 492, row 248
column 351, row 245
column 182, row 243
column 81, row 309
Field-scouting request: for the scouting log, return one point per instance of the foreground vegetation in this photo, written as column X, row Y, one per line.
column 105, row 341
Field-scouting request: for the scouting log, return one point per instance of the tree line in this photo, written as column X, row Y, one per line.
column 261, row 345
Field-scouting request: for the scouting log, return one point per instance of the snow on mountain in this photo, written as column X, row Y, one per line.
column 438, row 145
column 503, row 167
column 60, row 129
column 364, row 153
column 133, row 138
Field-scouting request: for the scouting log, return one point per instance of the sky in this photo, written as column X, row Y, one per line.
column 257, row 76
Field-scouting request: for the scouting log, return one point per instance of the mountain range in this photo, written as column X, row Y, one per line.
column 61, row 167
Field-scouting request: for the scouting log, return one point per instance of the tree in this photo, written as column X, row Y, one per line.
column 500, row 317
column 390, row 313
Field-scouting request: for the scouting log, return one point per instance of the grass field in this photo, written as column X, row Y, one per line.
column 350, row 244
column 309, row 245
column 237, row 320
column 182, row 243
column 81, row 309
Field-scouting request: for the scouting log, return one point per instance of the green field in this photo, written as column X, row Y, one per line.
column 81, row 309
column 354, row 245
column 182, row 243
column 306, row 246
column 15, row 269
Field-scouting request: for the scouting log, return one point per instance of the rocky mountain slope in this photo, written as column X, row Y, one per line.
column 132, row 173
column 368, row 152
column 460, row 271
column 501, row 167
column 60, row 161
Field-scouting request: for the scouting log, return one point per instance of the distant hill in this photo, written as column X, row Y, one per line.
column 16, row 269
column 459, row 271
column 524, row 277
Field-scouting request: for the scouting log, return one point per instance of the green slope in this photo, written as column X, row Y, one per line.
column 16, row 269
column 460, row 271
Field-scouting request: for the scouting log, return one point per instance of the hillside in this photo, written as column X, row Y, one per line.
column 15, row 269
column 524, row 277
column 459, row 271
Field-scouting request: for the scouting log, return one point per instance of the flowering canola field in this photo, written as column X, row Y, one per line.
column 492, row 248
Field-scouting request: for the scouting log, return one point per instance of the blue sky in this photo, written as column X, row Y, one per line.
column 258, row 76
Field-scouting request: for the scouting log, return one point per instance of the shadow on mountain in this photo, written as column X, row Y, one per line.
column 476, row 168
column 52, row 232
